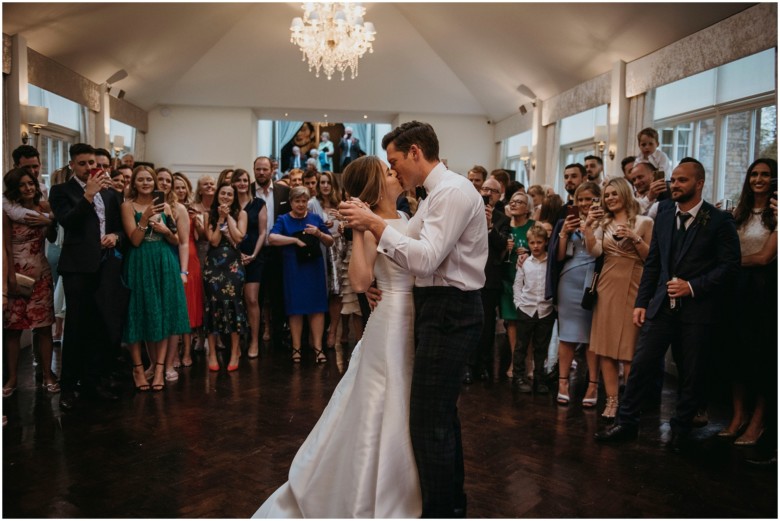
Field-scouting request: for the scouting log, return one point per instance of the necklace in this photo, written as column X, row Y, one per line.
column 757, row 211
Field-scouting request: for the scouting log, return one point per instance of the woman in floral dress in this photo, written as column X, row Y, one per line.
column 223, row 274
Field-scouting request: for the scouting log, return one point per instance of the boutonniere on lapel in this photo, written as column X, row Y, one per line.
column 702, row 218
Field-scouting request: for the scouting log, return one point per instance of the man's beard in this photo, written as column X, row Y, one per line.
column 683, row 197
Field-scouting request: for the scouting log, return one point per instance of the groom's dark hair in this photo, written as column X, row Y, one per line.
column 414, row 133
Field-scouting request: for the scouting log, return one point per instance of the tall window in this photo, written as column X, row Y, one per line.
column 512, row 160
column 724, row 117
column 128, row 134
column 577, row 138
column 62, row 131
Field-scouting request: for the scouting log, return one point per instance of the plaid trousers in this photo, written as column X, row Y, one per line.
column 448, row 325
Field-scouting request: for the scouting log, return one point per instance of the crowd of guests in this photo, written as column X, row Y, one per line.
column 148, row 263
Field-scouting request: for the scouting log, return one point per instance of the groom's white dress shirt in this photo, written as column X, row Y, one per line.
column 446, row 240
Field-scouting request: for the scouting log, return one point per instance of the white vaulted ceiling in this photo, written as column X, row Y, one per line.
column 438, row 58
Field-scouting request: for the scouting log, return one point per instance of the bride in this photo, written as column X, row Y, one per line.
column 358, row 459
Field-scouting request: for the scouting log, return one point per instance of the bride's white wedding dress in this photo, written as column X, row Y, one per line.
column 358, row 459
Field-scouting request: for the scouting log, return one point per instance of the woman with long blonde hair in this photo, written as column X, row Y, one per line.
column 616, row 230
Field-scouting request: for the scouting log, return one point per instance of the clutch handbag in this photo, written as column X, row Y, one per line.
column 24, row 285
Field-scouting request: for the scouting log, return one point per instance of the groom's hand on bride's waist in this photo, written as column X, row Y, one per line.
column 374, row 295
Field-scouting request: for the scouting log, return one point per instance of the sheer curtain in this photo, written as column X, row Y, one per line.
column 640, row 115
column 287, row 130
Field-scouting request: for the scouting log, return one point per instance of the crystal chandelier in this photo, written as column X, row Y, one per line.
column 332, row 36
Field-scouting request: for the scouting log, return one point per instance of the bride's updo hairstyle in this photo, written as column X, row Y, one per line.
column 364, row 178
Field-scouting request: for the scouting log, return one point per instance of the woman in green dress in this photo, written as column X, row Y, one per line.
column 158, row 307
column 519, row 211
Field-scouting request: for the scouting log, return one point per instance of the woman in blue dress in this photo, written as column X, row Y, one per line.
column 158, row 307
column 575, row 275
column 305, row 285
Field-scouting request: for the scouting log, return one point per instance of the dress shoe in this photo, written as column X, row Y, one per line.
column 678, row 442
column 101, row 393
column 522, row 386
column 617, row 432
column 748, row 441
column 701, row 419
column 467, row 378
column 68, row 400
column 541, row 389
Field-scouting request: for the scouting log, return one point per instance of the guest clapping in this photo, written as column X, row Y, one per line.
column 305, row 290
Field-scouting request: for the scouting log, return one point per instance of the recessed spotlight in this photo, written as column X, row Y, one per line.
column 365, row 116
column 285, row 114
column 325, row 115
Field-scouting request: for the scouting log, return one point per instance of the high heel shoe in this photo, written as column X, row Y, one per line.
column 562, row 399
column 143, row 388
column 156, row 388
column 52, row 388
column 232, row 367
column 320, row 356
column 611, row 408
column 590, row 403
column 744, row 441
column 296, row 356
column 214, row 367
column 8, row 391
column 726, row 433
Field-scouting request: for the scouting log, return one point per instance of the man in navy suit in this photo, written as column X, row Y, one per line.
column 693, row 254
column 276, row 196
column 88, row 209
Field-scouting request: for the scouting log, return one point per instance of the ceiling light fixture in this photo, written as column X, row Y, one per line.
column 332, row 37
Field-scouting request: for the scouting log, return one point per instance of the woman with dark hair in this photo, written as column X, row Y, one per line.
column 223, row 274
column 616, row 230
column 305, row 287
column 358, row 461
column 256, row 229
column 25, row 244
column 158, row 307
column 755, row 377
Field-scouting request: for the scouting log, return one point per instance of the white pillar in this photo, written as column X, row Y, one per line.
column 103, row 120
column 618, row 121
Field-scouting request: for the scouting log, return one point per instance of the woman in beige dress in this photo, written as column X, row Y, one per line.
column 615, row 230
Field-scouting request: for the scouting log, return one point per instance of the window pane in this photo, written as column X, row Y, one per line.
column 61, row 111
column 767, row 132
column 126, row 131
column 737, row 151
column 705, row 153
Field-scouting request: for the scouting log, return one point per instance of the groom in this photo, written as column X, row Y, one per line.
column 445, row 248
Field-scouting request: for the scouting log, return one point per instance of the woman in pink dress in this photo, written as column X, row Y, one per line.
column 25, row 242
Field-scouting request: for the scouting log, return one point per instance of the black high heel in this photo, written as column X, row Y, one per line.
column 319, row 356
column 145, row 388
column 156, row 388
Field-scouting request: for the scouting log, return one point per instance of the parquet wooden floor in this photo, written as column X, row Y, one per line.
column 216, row 445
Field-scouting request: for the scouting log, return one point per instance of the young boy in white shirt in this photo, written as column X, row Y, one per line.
column 537, row 315
column 649, row 152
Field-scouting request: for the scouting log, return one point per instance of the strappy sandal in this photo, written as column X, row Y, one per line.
column 296, row 356
column 156, row 388
column 562, row 399
column 590, row 403
column 320, row 356
column 145, row 388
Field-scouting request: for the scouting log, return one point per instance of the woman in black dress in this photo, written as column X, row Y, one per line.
column 256, row 227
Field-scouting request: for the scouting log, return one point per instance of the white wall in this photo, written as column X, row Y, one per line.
column 201, row 140
column 464, row 141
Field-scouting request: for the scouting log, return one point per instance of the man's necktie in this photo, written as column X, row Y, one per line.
column 679, row 235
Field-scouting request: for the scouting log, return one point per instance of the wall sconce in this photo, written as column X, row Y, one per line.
column 119, row 145
column 525, row 156
column 601, row 141
column 35, row 117
column 611, row 153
